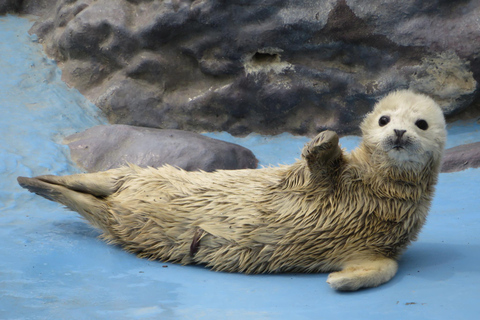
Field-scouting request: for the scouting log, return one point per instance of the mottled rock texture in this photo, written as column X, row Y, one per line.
column 8, row 6
column 36, row 7
column 462, row 157
column 105, row 147
column 268, row 66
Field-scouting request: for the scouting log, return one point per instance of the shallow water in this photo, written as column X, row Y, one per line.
column 52, row 266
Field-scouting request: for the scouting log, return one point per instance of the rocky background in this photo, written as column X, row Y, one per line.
column 269, row 66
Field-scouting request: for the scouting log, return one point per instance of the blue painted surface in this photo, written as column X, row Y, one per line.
column 52, row 266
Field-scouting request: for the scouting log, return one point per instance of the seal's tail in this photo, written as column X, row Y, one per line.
column 83, row 193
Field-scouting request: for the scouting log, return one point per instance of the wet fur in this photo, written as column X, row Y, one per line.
column 330, row 211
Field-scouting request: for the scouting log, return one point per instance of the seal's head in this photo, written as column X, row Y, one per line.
column 405, row 128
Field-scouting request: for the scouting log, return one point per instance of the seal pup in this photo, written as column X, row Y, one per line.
column 349, row 214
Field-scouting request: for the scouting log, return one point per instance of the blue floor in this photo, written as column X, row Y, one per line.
column 52, row 266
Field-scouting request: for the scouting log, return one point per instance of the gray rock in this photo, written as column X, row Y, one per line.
column 35, row 7
column 267, row 66
column 461, row 157
column 105, row 147
column 9, row 6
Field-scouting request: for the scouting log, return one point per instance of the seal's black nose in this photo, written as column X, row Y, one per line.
column 399, row 133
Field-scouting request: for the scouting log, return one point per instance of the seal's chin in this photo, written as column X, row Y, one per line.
column 404, row 155
column 398, row 153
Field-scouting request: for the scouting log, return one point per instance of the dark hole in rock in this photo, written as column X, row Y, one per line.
column 265, row 57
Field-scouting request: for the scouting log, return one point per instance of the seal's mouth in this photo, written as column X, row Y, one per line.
column 397, row 144
column 398, row 147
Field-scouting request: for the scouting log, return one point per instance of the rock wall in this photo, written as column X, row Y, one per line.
column 35, row 7
column 269, row 66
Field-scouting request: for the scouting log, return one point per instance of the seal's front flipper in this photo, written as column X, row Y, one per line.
column 322, row 150
column 363, row 274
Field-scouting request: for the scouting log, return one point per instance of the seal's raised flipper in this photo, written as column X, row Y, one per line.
column 322, row 150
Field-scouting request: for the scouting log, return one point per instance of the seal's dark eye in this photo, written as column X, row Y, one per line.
column 422, row 124
column 383, row 120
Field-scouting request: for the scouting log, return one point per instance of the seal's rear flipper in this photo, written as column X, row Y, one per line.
column 99, row 184
column 84, row 193
column 47, row 188
column 44, row 189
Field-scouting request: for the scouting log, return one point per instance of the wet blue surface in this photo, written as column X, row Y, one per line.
column 52, row 266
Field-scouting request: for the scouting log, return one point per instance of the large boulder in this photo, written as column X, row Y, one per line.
column 461, row 157
column 268, row 66
column 106, row 147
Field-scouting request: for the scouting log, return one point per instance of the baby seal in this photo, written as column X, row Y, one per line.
column 349, row 214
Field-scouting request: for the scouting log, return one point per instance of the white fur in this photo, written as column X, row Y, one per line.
column 404, row 108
